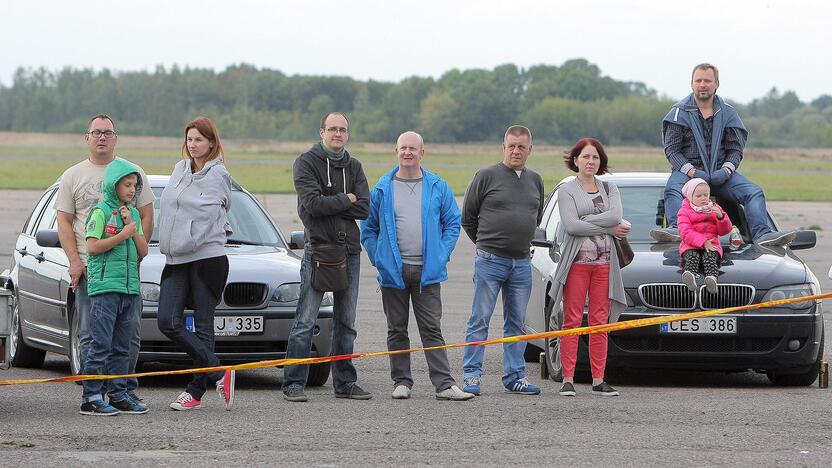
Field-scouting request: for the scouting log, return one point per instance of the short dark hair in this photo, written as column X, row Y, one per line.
column 573, row 153
column 706, row 66
column 518, row 130
column 101, row 116
column 326, row 116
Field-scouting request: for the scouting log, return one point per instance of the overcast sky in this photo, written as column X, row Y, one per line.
column 756, row 44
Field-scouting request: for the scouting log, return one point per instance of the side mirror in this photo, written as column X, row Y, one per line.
column 49, row 238
column 297, row 240
column 539, row 239
column 804, row 240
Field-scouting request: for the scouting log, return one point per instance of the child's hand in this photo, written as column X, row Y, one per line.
column 710, row 245
column 718, row 211
column 129, row 230
column 125, row 215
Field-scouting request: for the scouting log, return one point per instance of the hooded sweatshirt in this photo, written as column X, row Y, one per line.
column 194, row 212
column 322, row 185
column 117, row 270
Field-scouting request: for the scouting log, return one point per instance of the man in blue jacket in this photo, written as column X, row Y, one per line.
column 409, row 235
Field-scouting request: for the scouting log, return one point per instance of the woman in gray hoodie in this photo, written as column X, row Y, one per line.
column 591, row 214
column 192, row 236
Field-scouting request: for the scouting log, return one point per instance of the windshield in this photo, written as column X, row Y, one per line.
column 249, row 223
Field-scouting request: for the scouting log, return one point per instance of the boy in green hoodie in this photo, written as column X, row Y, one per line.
column 116, row 243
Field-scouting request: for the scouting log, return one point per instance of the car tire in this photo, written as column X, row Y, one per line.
column 21, row 354
column 554, row 368
column 318, row 374
column 802, row 379
column 75, row 364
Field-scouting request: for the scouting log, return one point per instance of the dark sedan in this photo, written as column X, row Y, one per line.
column 785, row 343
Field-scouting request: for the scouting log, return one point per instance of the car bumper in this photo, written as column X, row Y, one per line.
column 246, row 347
column 772, row 340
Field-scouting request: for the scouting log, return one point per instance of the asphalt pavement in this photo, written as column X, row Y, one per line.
column 661, row 418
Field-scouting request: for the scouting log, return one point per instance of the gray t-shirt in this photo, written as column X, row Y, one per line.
column 407, row 205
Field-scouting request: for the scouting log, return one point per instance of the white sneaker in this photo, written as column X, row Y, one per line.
column 690, row 280
column 401, row 392
column 453, row 393
column 710, row 283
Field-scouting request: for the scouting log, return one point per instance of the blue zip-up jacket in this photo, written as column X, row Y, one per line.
column 440, row 230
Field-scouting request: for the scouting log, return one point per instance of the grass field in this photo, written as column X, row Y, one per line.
column 34, row 161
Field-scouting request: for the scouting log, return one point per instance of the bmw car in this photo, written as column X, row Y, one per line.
column 784, row 342
column 252, row 320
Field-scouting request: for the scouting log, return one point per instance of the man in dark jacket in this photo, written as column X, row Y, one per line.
column 705, row 138
column 332, row 194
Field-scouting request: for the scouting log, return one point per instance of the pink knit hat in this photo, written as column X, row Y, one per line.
column 691, row 185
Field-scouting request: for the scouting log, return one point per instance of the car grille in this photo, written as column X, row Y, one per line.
column 711, row 344
column 244, row 294
column 667, row 296
column 220, row 347
column 728, row 295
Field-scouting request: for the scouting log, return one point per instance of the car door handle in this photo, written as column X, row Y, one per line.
column 39, row 257
column 22, row 251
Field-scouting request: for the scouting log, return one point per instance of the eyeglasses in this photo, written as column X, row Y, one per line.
column 336, row 129
column 97, row 134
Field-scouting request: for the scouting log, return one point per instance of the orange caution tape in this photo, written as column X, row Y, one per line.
column 610, row 327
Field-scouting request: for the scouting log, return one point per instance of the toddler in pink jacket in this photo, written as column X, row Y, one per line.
column 700, row 223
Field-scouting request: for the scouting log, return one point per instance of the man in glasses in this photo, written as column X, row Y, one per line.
column 80, row 190
column 332, row 194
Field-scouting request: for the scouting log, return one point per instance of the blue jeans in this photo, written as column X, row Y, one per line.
column 738, row 189
column 111, row 326
column 343, row 334
column 513, row 277
column 197, row 285
column 82, row 308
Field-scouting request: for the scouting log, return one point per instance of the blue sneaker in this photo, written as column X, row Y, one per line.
column 523, row 387
column 97, row 408
column 128, row 406
column 472, row 385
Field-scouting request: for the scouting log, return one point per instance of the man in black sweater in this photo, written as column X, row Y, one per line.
column 502, row 207
column 332, row 194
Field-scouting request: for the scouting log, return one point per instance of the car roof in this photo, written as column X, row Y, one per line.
column 658, row 179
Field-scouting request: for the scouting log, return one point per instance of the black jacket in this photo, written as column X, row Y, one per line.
column 326, row 211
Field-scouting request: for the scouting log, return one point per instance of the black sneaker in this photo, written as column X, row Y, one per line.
column 134, row 397
column 97, row 408
column 128, row 406
column 776, row 239
column 567, row 389
column 355, row 393
column 294, row 393
column 604, row 389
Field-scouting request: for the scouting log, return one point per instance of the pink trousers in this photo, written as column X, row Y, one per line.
column 582, row 280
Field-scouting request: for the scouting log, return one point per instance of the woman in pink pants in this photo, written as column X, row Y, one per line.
column 591, row 214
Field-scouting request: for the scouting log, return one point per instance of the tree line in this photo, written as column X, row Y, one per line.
column 559, row 103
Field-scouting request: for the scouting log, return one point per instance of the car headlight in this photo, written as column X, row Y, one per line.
column 289, row 292
column 791, row 292
column 150, row 292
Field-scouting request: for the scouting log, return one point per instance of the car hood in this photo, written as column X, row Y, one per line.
column 246, row 263
column 761, row 267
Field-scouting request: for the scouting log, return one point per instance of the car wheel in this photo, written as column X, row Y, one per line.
column 21, row 354
column 802, row 379
column 318, row 374
column 75, row 364
column 552, row 347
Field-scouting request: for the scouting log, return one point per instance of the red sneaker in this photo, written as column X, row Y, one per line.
column 185, row 402
column 225, row 388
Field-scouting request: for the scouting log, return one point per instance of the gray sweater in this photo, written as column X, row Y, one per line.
column 580, row 218
column 194, row 210
column 501, row 210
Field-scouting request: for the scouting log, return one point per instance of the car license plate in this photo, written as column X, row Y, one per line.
column 702, row 325
column 231, row 326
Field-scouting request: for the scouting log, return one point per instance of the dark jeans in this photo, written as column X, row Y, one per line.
column 427, row 308
column 343, row 335
column 199, row 286
column 111, row 326
column 82, row 308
